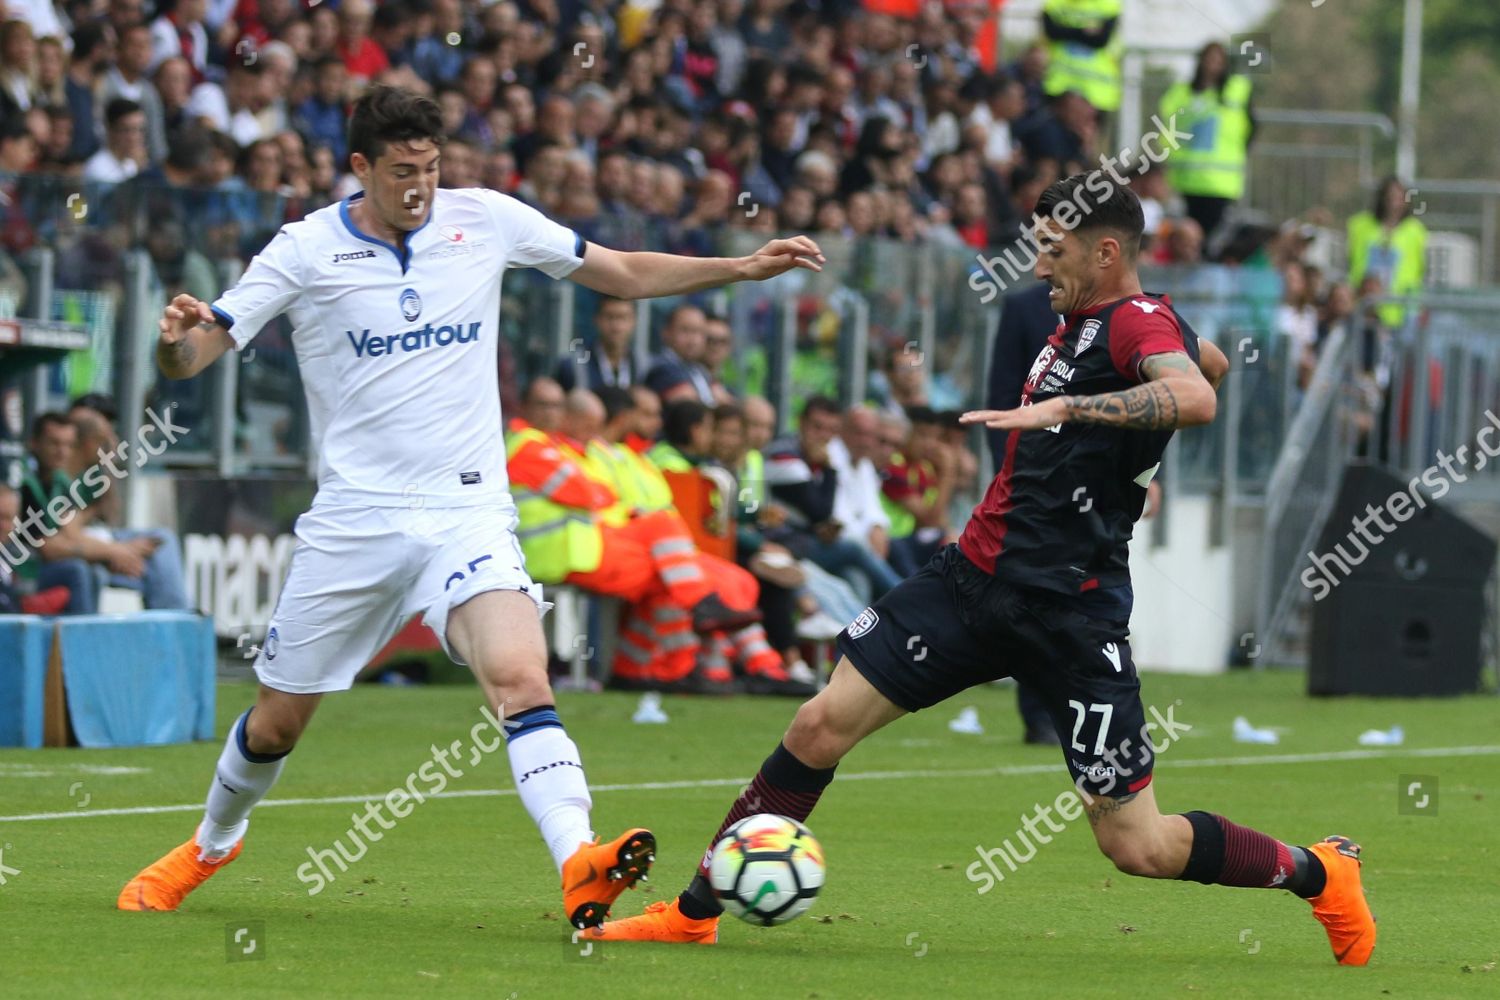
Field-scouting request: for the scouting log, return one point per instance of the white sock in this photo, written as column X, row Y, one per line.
column 549, row 777
column 239, row 783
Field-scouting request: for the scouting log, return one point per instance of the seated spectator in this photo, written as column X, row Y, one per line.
column 323, row 117
column 917, row 488
column 903, row 384
column 77, row 550
column 1297, row 320
column 608, row 360
column 178, row 31
column 130, row 78
column 803, row 483
column 364, row 59
column 124, row 152
column 234, row 108
column 677, row 372
column 14, row 552
column 718, row 345
column 687, row 434
column 856, row 503
column 17, row 68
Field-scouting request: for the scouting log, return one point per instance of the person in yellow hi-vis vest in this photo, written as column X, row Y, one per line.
column 1208, row 170
column 1083, row 50
column 573, row 529
column 650, row 631
column 1388, row 250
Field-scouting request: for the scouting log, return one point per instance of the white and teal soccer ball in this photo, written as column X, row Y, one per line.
column 767, row 869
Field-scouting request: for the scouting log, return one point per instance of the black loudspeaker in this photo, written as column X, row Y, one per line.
column 1401, row 613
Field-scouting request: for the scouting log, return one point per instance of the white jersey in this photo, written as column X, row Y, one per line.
column 399, row 354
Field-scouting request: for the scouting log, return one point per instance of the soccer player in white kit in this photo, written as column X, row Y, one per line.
column 394, row 296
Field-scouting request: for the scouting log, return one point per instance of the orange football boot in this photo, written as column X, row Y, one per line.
column 1341, row 907
column 596, row 874
column 662, row 921
column 164, row 885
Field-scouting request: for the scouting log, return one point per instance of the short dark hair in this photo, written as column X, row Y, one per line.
column 102, row 402
column 679, row 418
column 385, row 114
column 924, row 416
column 50, row 418
column 1118, row 210
column 820, row 404
column 12, row 129
column 86, row 38
column 188, row 147
column 616, row 400
column 118, row 109
column 609, row 300
column 729, row 411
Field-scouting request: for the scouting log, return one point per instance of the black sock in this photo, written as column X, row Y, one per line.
column 784, row 786
column 1310, row 877
column 698, row 901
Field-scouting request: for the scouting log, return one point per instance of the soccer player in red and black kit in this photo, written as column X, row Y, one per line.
column 1038, row 588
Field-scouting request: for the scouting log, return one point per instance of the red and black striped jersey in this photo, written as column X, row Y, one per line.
column 1061, row 508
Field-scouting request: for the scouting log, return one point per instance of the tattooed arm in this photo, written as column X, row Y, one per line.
column 1175, row 394
column 191, row 338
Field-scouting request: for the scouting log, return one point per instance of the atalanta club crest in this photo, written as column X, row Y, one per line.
column 411, row 304
column 867, row 620
column 1086, row 335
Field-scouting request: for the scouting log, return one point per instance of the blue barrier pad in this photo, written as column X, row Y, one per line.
column 25, row 643
column 140, row 679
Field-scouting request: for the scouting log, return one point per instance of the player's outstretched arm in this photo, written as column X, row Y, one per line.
column 1175, row 394
column 644, row 275
column 191, row 338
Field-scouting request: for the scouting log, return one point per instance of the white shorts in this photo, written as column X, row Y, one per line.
column 358, row 573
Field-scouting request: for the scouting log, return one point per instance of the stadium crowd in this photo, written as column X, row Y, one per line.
column 203, row 125
column 732, row 549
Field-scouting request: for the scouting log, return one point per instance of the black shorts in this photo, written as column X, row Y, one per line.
column 953, row 626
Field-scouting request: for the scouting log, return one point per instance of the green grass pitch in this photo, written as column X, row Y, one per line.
column 460, row 900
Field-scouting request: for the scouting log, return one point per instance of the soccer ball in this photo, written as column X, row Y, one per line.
column 767, row 869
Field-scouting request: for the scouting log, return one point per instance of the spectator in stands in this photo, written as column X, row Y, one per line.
column 17, row 68
column 76, row 553
column 179, row 31
column 1297, row 320
column 1183, row 243
column 856, row 501
column 677, row 372
column 90, row 57
column 917, row 486
column 235, row 108
column 718, row 345
column 1388, row 249
column 18, row 148
column 542, row 406
column 13, row 552
column 129, row 79
column 173, row 80
column 124, row 152
column 323, row 117
column 608, row 360
column 804, row 483
column 647, row 419
column 687, row 434
column 1209, row 170
column 904, row 384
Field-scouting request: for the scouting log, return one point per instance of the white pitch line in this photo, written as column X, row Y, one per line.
column 653, row 786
